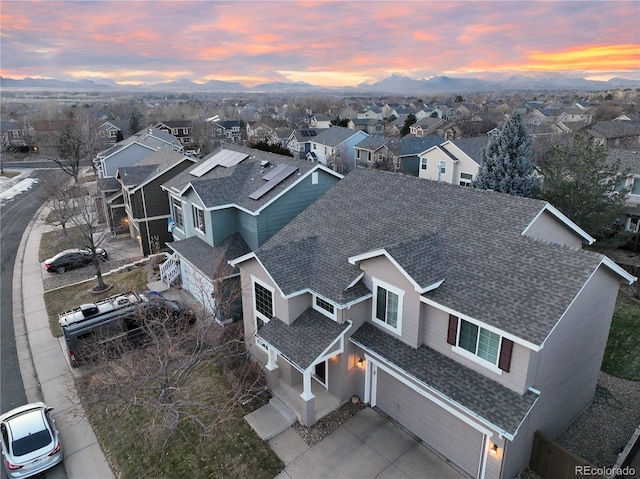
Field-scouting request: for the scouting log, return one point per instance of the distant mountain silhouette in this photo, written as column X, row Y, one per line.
column 392, row 84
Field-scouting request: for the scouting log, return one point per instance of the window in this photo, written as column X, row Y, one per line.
column 387, row 308
column 263, row 301
column 314, row 178
column 198, row 218
column 423, row 163
column 475, row 341
column 325, row 307
column 635, row 189
column 176, row 207
column 465, row 179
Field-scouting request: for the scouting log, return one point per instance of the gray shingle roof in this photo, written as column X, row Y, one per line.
column 629, row 159
column 617, row 128
column 154, row 164
column 233, row 185
column 491, row 401
column 305, row 339
column 334, row 136
column 410, row 146
column 211, row 261
column 472, row 146
column 373, row 143
column 491, row 271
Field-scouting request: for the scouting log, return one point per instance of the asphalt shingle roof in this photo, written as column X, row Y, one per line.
column 493, row 402
column 233, row 185
column 492, row 272
column 305, row 339
column 148, row 167
column 211, row 261
column 334, row 136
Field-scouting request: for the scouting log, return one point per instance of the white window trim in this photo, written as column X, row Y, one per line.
column 474, row 357
column 257, row 314
column 194, row 217
column 374, row 301
column 182, row 227
column 333, row 316
column 423, row 163
column 467, row 181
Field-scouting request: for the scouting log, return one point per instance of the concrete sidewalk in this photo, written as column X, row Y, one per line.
column 45, row 371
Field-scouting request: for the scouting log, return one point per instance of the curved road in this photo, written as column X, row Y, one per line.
column 15, row 215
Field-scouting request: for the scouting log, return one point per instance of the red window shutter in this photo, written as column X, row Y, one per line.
column 452, row 333
column 505, row 355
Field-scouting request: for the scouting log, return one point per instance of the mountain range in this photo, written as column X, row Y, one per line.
column 392, row 84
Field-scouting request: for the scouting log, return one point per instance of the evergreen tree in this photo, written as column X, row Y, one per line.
column 506, row 161
column 406, row 128
column 583, row 185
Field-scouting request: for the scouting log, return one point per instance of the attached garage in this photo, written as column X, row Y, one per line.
column 440, row 429
column 197, row 284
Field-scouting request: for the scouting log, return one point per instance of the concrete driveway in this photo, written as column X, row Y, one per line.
column 367, row 446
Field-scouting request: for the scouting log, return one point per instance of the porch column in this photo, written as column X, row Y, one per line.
column 273, row 376
column 308, row 407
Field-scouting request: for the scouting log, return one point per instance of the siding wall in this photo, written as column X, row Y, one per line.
column 547, row 227
column 569, row 363
column 223, row 223
column 436, row 323
column 382, row 269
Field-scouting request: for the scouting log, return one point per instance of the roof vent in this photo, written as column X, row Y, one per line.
column 265, row 163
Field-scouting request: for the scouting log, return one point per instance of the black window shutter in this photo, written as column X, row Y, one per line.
column 505, row 355
column 452, row 333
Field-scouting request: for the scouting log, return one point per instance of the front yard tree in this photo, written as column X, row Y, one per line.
column 76, row 141
column 506, row 161
column 583, row 185
column 406, row 128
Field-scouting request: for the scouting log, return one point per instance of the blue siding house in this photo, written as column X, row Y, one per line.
column 229, row 204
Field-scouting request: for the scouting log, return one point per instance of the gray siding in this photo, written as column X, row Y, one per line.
column 248, row 228
column 382, row 269
column 548, row 228
column 436, row 323
column 568, row 366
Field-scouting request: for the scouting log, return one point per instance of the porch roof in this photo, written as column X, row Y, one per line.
column 211, row 261
column 480, row 396
column 304, row 340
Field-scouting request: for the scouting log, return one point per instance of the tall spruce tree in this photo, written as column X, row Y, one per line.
column 506, row 161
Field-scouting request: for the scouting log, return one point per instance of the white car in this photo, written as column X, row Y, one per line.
column 30, row 441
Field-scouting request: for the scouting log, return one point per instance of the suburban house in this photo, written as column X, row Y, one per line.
column 406, row 152
column 616, row 133
column 435, row 126
column 258, row 131
column 374, row 149
column 335, row 145
column 181, row 129
column 373, row 126
column 227, row 130
column 629, row 161
column 320, row 121
column 470, row 317
column 230, row 203
column 108, row 131
column 146, row 204
column 131, row 150
column 14, row 134
column 453, row 161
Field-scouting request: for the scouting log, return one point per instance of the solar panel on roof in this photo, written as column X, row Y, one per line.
column 271, row 173
column 224, row 158
column 273, row 182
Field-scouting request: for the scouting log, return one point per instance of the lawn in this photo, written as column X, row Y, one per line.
column 10, row 174
column 622, row 355
column 53, row 242
column 230, row 450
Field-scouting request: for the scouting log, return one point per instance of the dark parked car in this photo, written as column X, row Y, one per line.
column 73, row 258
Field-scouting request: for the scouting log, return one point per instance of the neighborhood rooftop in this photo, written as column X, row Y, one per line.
column 473, row 238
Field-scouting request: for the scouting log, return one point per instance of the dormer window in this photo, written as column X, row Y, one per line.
column 387, row 306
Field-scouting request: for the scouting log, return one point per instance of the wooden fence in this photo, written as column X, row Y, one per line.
column 552, row 461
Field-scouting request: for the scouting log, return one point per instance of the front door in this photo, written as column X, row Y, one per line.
column 320, row 373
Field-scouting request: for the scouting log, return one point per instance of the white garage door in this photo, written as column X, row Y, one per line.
column 451, row 437
column 197, row 285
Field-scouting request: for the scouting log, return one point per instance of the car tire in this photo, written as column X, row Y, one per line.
column 60, row 269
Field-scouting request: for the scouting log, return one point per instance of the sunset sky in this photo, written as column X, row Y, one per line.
column 328, row 43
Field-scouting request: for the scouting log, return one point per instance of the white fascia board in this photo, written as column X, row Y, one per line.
column 629, row 278
column 555, row 212
column 382, row 252
column 241, row 259
column 355, row 280
column 328, row 348
column 339, row 306
column 488, row 327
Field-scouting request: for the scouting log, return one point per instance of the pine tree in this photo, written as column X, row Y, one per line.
column 506, row 161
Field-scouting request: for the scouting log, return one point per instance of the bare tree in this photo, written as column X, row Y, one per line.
column 156, row 377
column 61, row 203
column 77, row 141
